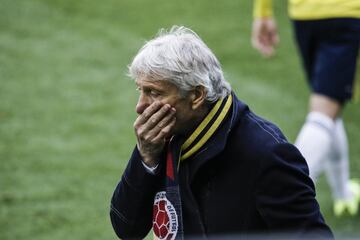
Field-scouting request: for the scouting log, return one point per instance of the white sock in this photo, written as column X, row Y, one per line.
column 337, row 168
column 315, row 141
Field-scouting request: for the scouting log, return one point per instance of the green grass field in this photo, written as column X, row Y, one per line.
column 67, row 107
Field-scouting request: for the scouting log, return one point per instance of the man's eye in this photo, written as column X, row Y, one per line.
column 138, row 89
column 154, row 93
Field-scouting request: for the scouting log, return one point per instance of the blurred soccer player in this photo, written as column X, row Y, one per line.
column 327, row 33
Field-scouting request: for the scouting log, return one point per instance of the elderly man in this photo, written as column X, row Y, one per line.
column 204, row 164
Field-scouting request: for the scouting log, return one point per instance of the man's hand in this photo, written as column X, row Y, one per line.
column 264, row 36
column 152, row 128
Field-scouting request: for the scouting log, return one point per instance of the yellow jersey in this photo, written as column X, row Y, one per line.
column 312, row 9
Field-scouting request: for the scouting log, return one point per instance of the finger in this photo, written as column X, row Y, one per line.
column 263, row 46
column 165, row 132
column 266, row 46
column 261, row 43
column 258, row 27
column 144, row 131
column 275, row 38
column 255, row 42
column 272, row 40
column 156, row 117
column 256, row 36
column 149, row 111
column 161, row 124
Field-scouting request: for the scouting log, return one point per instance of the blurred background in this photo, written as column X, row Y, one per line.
column 67, row 106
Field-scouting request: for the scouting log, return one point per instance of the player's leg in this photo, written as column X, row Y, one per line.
column 331, row 81
column 339, row 56
column 345, row 192
column 315, row 137
column 329, row 57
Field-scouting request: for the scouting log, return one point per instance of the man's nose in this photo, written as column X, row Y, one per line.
column 142, row 104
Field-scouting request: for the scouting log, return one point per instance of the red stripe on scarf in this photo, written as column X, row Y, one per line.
column 169, row 165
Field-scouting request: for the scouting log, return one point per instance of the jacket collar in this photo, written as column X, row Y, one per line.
column 218, row 140
column 206, row 128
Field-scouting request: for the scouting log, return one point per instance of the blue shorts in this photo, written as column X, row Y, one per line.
column 329, row 50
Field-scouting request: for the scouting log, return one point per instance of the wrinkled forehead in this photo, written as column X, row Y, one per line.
column 149, row 82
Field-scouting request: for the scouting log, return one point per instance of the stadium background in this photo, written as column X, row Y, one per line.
column 67, row 107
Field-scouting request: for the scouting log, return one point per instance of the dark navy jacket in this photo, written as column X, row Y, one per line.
column 246, row 179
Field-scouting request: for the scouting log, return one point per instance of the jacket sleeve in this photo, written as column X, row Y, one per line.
column 285, row 194
column 132, row 201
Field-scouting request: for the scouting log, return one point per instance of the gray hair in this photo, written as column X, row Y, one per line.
column 182, row 58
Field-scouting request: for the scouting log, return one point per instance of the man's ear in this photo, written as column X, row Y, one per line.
column 198, row 96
